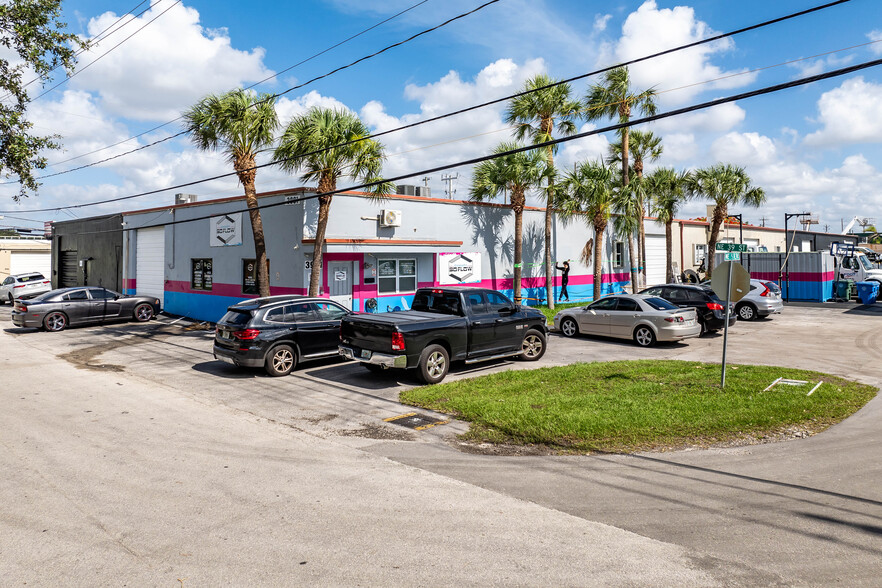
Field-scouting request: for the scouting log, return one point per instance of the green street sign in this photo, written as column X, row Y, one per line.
column 733, row 256
column 731, row 247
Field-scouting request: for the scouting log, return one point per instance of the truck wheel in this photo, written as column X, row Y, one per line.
column 281, row 361
column 434, row 363
column 533, row 347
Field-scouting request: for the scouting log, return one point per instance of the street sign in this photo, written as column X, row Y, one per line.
column 732, row 256
column 734, row 288
column 731, row 247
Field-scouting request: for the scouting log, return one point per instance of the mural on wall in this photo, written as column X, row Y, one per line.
column 459, row 268
column 226, row 230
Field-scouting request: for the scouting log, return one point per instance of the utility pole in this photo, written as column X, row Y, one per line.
column 763, row 221
column 449, row 179
column 426, row 181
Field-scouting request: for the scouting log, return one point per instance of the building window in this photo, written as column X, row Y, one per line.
column 700, row 253
column 249, row 276
column 618, row 254
column 777, row 249
column 200, row 274
column 396, row 275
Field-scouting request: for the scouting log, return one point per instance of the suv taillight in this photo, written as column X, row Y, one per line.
column 714, row 306
column 397, row 342
column 766, row 291
column 247, row 334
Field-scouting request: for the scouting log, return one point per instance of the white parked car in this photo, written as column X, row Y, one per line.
column 21, row 286
column 643, row 318
column 763, row 299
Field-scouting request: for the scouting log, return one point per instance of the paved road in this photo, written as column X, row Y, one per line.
column 313, row 472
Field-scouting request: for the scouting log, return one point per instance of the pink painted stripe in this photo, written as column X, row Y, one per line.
column 129, row 284
column 795, row 276
column 231, row 290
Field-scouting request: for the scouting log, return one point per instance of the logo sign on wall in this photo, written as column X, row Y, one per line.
column 226, row 230
column 459, row 268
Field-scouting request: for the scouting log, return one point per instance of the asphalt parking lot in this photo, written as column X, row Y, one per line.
column 800, row 512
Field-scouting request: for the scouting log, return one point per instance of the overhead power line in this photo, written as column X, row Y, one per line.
column 94, row 61
column 156, row 128
column 475, row 160
column 483, row 104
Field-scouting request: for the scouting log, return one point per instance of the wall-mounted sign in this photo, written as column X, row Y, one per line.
column 226, row 230
column 340, row 276
column 459, row 268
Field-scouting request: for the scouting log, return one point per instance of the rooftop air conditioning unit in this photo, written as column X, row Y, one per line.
column 184, row 198
column 423, row 191
column 390, row 218
column 406, row 190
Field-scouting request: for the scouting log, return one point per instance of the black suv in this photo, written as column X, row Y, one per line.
column 278, row 332
column 710, row 309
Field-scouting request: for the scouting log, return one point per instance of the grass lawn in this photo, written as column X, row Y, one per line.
column 627, row 406
column 558, row 306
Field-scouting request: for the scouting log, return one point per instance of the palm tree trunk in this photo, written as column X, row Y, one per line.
column 325, row 185
column 599, row 226
column 669, row 253
column 721, row 211
column 517, row 201
column 549, row 267
column 246, row 172
column 641, row 229
column 631, row 261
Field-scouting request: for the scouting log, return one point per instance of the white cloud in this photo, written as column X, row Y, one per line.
column 744, row 149
column 851, row 113
column 875, row 36
column 600, row 22
column 650, row 30
column 718, row 119
column 813, row 67
column 288, row 108
column 164, row 68
column 678, row 148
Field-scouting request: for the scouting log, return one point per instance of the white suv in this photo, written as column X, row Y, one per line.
column 23, row 286
column 763, row 299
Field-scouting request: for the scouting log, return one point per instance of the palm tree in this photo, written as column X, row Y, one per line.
column 325, row 144
column 726, row 185
column 536, row 114
column 625, row 225
column 241, row 124
column 643, row 146
column 588, row 190
column 515, row 173
column 667, row 189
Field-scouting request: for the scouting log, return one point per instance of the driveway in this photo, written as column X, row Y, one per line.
column 802, row 512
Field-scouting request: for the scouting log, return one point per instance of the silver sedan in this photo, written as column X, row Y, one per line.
column 643, row 318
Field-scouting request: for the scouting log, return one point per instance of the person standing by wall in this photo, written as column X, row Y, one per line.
column 564, row 279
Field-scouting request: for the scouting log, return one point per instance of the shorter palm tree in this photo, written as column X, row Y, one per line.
column 326, row 144
column 241, row 124
column 514, row 173
column 726, row 185
column 588, row 192
column 626, row 224
column 666, row 188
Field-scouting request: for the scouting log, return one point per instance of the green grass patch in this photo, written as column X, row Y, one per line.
column 627, row 406
column 549, row 314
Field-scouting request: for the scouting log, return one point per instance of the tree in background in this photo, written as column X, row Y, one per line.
column 667, row 191
column 644, row 146
column 588, row 191
column 536, row 115
column 726, row 185
column 240, row 124
column 625, row 225
column 31, row 29
column 514, row 173
column 326, row 144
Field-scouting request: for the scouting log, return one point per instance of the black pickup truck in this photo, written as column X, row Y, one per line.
column 444, row 324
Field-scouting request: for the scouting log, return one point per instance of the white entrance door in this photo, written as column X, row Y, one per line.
column 340, row 282
column 656, row 259
column 23, row 263
column 150, row 262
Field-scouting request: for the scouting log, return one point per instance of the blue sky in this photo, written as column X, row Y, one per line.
column 812, row 148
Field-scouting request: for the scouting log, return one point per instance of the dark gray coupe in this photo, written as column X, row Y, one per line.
column 57, row 309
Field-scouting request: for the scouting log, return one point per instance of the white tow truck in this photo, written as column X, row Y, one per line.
column 852, row 264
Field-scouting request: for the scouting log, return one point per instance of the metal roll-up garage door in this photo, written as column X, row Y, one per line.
column 67, row 269
column 656, row 260
column 22, row 263
column 150, row 262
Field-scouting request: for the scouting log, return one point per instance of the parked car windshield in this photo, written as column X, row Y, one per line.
column 660, row 304
column 773, row 287
column 31, row 277
column 236, row 317
column 439, row 302
column 865, row 262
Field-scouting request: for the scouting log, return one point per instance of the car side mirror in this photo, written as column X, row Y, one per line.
column 116, row 297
